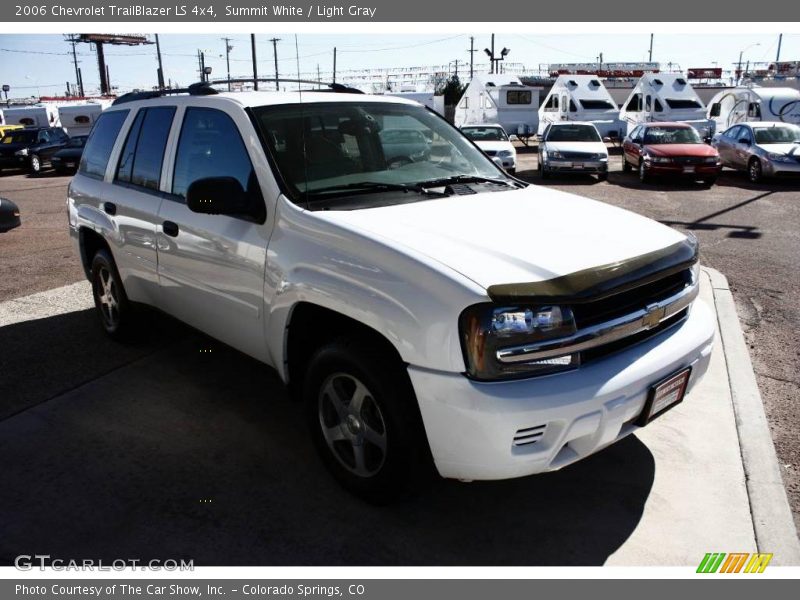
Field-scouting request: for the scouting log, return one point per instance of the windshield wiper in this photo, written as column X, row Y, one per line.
column 445, row 181
column 373, row 186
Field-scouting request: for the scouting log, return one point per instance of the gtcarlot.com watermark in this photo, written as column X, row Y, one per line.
column 28, row 562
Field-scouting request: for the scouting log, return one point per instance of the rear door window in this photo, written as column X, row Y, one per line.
column 140, row 162
column 100, row 143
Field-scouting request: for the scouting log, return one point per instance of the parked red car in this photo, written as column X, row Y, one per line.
column 672, row 149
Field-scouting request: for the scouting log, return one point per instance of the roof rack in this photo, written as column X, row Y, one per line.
column 201, row 88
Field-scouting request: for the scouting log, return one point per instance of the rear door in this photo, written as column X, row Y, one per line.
column 211, row 267
column 726, row 143
column 134, row 200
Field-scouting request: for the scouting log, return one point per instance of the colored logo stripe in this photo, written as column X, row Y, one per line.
column 713, row 562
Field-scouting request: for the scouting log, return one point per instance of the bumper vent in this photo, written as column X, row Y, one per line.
column 529, row 435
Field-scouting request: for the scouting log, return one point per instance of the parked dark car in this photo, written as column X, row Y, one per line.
column 670, row 149
column 67, row 159
column 9, row 215
column 31, row 148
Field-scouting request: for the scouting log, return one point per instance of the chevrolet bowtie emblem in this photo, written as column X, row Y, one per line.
column 654, row 314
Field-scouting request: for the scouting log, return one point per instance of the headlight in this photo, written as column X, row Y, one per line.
column 658, row 159
column 711, row 160
column 601, row 156
column 774, row 156
column 23, row 152
column 487, row 329
column 505, row 153
column 554, row 154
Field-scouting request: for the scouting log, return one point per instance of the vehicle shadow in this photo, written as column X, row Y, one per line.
column 180, row 447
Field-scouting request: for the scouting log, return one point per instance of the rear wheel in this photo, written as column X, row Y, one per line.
column 364, row 420
column 110, row 299
column 754, row 170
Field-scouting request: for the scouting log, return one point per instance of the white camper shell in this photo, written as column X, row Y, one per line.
column 78, row 119
column 40, row 115
column 428, row 99
column 737, row 105
column 664, row 97
column 502, row 99
column 581, row 98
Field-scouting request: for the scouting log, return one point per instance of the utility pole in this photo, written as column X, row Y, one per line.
column 319, row 78
column 780, row 40
column 490, row 53
column 255, row 67
column 160, row 66
column 275, row 56
column 492, row 56
column 77, row 73
column 651, row 48
column 471, row 55
column 228, row 49
column 334, row 64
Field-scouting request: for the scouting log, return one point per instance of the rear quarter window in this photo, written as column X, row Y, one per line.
column 100, row 143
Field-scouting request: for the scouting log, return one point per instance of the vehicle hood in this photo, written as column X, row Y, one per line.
column 597, row 147
column 521, row 236
column 680, row 150
column 495, row 146
column 790, row 149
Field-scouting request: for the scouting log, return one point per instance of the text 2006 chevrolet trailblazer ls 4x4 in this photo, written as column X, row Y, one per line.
column 426, row 307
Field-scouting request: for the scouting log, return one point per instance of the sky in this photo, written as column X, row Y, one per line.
column 41, row 64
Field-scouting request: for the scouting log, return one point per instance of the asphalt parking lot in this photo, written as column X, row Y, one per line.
column 195, row 458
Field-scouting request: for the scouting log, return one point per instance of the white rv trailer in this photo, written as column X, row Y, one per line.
column 502, row 99
column 581, row 98
column 429, row 99
column 38, row 115
column 664, row 97
column 754, row 104
column 78, row 119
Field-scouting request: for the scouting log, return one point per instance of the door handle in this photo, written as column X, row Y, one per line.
column 170, row 228
column 110, row 208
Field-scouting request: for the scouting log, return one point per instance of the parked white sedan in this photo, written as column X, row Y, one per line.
column 572, row 147
column 494, row 142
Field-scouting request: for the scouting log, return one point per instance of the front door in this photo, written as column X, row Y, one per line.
column 211, row 267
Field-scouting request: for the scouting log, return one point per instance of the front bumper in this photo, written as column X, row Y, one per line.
column 576, row 166
column 678, row 170
column 13, row 162
column 471, row 426
column 781, row 169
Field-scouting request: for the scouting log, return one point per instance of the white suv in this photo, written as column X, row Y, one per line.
column 429, row 310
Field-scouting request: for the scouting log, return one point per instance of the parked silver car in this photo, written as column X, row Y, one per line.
column 763, row 149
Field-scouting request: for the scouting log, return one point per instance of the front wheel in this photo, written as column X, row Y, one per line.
column 542, row 171
column 36, row 165
column 626, row 166
column 364, row 420
column 644, row 176
column 754, row 170
column 110, row 299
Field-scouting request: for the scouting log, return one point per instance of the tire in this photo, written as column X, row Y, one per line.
column 644, row 176
column 377, row 450
column 754, row 171
column 626, row 166
column 602, row 176
column 35, row 164
column 709, row 181
column 112, row 305
column 542, row 172
column 511, row 171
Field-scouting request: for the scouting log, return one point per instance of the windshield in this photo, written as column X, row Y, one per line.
column 597, row 105
column 329, row 149
column 77, row 142
column 19, row 137
column 485, row 134
column 777, row 135
column 671, row 135
column 573, row 133
column 683, row 103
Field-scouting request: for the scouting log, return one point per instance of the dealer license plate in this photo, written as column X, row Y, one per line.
column 688, row 169
column 577, row 165
column 664, row 395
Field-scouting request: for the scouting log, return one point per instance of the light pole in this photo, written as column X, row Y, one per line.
column 741, row 54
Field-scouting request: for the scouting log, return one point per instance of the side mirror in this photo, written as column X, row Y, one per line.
column 217, row 196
